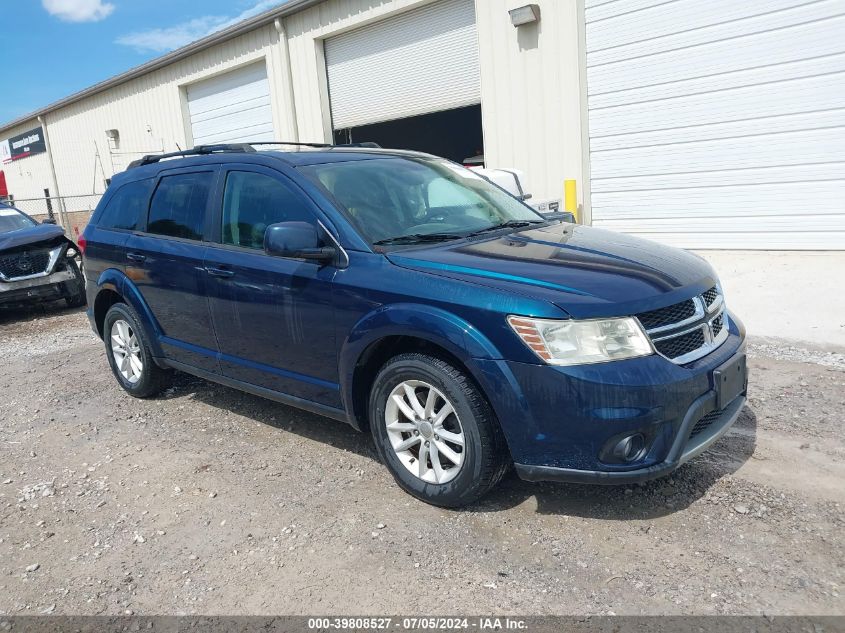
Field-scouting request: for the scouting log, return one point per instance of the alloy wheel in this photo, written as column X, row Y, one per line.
column 425, row 431
column 126, row 349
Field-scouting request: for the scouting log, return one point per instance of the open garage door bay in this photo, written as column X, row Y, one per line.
column 718, row 124
column 422, row 61
column 232, row 107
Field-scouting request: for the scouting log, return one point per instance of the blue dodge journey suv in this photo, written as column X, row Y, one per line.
column 413, row 299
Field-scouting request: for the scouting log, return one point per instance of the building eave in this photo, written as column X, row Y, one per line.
column 250, row 24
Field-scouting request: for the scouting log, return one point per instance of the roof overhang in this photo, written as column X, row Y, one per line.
column 262, row 19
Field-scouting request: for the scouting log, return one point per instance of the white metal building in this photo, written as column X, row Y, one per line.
column 714, row 124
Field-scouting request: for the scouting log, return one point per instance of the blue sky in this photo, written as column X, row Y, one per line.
column 62, row 46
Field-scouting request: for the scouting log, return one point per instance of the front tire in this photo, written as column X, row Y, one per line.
column 128, row 352
column 435, row 431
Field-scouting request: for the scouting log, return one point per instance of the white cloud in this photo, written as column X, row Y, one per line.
column 78, row 10
column 161, row 40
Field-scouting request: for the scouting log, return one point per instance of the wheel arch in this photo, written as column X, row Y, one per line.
column 113, row 286
column 394, row 330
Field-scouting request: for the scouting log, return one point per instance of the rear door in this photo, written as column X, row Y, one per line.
column 273, row 316
column 165, row 263
column 125, row 211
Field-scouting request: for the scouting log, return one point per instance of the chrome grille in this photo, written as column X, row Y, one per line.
column 24, row 264
column 687, row 330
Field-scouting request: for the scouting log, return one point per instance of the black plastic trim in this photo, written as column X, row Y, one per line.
column 277, row 396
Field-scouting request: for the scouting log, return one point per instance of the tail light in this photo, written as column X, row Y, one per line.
column 82, row 243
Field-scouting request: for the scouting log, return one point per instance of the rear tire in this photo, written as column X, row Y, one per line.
column 128, row 353
column 448, row 420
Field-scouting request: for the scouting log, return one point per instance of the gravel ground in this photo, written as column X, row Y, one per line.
column 207, row 500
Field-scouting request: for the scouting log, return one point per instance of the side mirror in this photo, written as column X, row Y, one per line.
column 48, row 221
column 296, row 239
column 563, row 216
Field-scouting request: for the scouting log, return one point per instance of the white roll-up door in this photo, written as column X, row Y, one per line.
column 232, row 107
column 718, row 124
column 425, row 60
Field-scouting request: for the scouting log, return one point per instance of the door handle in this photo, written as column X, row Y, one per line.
column 219, row 272
column 136, row 257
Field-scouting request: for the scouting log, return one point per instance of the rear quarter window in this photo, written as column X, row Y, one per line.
column 179, row 204
column 127, row 208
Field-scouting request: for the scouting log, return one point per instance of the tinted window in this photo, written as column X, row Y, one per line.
column 127, row 207
column 178, row 206
column 252, row 202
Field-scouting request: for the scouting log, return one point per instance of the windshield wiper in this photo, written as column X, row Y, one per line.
column 418, row 238
column 510, row 224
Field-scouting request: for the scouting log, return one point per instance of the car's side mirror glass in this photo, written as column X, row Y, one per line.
column 299, row 240
column 48, row 221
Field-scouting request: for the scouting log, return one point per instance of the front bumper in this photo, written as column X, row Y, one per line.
column 57, row 285
column 559, row 421
column 683, row 449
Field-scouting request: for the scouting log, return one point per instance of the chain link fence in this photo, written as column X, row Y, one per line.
column 70, row 212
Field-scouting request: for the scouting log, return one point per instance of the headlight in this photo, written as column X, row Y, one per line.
column 582, row 342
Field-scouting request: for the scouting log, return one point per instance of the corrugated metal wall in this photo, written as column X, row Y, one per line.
column 530, row 94
column 529, row 85
column 719, row 124
column 150, row 114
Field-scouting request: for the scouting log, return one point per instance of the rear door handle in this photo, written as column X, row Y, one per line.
column 219, row 272
column 136, row 257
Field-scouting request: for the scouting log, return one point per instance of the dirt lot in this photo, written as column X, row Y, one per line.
column 211, row 501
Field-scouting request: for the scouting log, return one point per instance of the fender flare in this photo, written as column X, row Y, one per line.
column 435, row 325
column 117, row 281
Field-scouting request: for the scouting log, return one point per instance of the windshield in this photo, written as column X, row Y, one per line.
column 412, row 200
column 13, row 220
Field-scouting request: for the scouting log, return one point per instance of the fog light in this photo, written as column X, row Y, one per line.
column 629, row 448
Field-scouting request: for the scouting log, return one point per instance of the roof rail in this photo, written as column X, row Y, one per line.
column 317, row 145
column 199, row 150
column 247, row 147
column 295, row 143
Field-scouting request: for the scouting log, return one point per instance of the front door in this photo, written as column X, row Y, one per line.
column 273, row 316
column 164, row 261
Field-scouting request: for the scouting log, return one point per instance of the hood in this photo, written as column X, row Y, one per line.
column 585, row 271
column 37, row 233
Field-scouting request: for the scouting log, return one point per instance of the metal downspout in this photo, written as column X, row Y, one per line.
column 54, row 182
column 283, row 36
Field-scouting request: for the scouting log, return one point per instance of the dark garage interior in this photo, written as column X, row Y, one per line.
column 454, row 134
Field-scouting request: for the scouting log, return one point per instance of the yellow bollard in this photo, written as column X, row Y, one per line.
column 570, row 197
